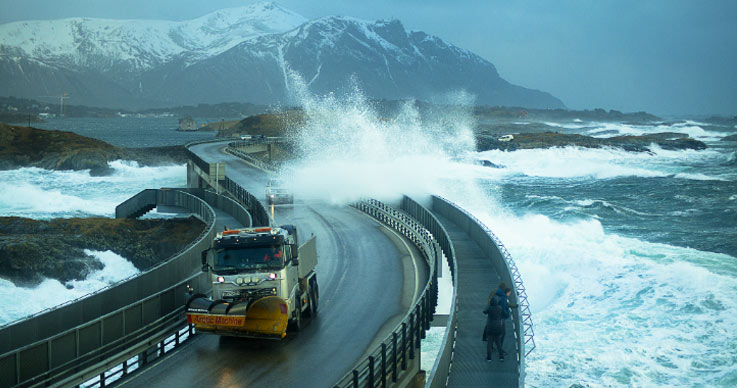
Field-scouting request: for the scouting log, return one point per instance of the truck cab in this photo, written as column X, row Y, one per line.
column 262, row 280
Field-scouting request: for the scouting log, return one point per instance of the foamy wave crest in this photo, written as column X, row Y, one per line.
column 653, row 314
column 690, row 128
column 699, row 177
column 605, row 163
column 28, row 200
column 573, row 162
column 130, row 170
column 52, row 293
column 588, row 203
column 39, row 193
column 574, row 125
column 348, row 151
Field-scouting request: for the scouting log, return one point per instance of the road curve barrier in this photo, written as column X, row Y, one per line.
column 256, row 209
column 396, row 360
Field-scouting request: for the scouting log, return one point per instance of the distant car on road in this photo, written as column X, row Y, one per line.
column 277, row 192
column 506, row 138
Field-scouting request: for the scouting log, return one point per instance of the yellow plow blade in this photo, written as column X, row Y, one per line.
column 267, row 316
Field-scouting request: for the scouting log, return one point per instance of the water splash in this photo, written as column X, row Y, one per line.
column 51, row 292
column 347, row 150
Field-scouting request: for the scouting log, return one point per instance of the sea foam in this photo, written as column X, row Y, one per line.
column 606, row 163
column 650, row 312
column 43, row 194
column 50, row 292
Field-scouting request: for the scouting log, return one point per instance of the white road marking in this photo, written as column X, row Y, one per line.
column 414, row 262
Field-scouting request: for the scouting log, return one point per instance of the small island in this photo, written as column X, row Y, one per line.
column 62, row 150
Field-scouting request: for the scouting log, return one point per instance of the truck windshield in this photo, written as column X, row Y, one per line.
column 249, row 258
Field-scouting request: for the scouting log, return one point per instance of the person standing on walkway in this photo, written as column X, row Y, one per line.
column 503, row 293
column 494, row 328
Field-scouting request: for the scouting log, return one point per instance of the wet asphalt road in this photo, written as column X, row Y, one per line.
column 364, row 289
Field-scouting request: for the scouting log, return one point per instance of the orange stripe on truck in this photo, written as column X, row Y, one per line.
column 216, row 320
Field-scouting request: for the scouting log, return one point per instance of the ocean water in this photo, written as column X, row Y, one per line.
column 46, row 194
column 134, row 132
column 51, row 292
column 629, row 259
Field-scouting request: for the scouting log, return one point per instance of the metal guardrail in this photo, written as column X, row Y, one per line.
column 509, row 273
column 258, row 163
column 389, row 360
column 256, row 209
column 75, row 339
column 439, row 374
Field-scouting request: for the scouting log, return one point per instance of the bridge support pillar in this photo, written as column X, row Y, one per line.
column 193, row 178
column 413, row 377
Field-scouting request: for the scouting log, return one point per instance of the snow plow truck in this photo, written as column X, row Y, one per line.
column 262, row 283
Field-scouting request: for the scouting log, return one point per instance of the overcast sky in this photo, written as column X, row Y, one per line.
column 669, row 57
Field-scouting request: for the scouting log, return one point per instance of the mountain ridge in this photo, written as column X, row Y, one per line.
column 244, row 54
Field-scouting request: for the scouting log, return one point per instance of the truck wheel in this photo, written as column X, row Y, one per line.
column 313, row 303
column 298, row 314
column 314, row 296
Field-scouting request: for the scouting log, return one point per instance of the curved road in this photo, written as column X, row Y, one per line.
column 365, row 289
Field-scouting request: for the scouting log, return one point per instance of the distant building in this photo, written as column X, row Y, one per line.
column 187, row 124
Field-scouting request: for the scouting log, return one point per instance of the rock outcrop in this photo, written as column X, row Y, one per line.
column 267, row 124
column 31, row 250
column 61, row 150
column 665, row 140
column 730, row 138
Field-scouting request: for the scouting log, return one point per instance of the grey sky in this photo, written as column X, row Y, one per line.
column 670, row 57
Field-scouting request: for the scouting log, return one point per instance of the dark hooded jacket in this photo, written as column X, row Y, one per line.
column 493, row 317
column 503, row 303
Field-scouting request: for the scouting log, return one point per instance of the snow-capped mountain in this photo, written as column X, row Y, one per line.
column 137, row 45
column 239, row 54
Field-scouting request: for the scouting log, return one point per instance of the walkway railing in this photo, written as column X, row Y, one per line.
column 438, row 375
column 508, row 272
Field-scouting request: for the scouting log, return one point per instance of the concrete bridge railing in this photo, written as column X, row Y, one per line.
column 255, row 208
column 72, row 342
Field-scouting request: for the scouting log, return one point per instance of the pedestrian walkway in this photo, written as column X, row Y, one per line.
column 476, row 278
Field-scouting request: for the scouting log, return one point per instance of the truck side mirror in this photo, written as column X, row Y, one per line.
column 295, row 250
column 205, row 267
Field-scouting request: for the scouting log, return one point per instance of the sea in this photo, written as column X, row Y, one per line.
column 629, row 259
column 45, row 194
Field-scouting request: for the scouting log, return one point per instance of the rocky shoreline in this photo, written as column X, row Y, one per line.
column 61, row 150
column 31, row 250
column 518, row 141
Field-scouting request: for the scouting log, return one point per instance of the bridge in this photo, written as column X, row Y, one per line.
column 378, row 273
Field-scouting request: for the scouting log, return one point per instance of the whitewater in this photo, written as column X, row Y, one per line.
column 45, row 194
column 629, row 259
